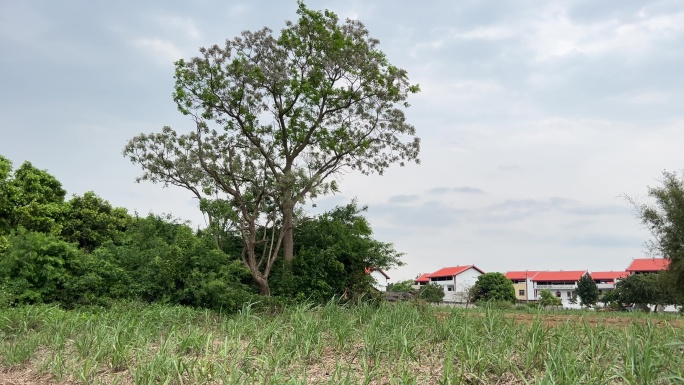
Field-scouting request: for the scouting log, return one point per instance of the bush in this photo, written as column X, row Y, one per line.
column 431, row 293
column 546, row 298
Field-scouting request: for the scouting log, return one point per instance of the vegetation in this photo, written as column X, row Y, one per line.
column 493, row 287
column 546, row 298
column 86, row 252
column 665, row 220
column 393, row 343
column 275, row 118
column 587, row 290
column 431, row 292
column 402, row 286
column 645, row 289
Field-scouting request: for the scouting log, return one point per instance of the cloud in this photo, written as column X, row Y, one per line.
column 401, row 199
column 448, row 190
column 161, row 51
column 174, row 24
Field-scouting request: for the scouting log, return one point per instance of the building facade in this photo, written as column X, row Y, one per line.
column 456, row 281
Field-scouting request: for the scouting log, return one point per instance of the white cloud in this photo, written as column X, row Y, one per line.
column 174, row 24
column 163, row 52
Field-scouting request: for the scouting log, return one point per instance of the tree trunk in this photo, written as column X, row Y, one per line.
column 264, row 288
column 288, row 235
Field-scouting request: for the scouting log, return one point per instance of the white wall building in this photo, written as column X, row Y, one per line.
column 456, row 281
column 380, row 278
column 562, row 284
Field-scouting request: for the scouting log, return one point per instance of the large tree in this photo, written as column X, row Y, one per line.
column 665, row 219
column 587, row 290
column 276, row 117
column 646, row 289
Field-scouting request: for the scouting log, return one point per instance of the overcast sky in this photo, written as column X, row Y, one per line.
column 536, row 117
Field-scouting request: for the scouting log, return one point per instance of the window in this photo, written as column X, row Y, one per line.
column 521, row 292
column 569, row 294
column 558, row 294
column 450, row 288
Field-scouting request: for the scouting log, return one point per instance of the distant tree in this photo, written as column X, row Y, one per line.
column 611, row 299
column 431, row 293
column 493, row 287
column 665, row 219
column 587, row 290
column 403, row 286
column 546, row 298
column 644, row 290
column 276, row 118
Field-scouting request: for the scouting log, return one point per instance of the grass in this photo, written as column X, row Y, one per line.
column 391, row 344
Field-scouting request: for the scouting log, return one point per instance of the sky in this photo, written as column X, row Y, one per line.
column 537, row 119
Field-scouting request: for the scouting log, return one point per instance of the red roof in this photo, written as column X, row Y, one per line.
column 451, row 271
column 648, row 264
column 520, row 275
column 608, row 275
column 569, row 276
column 423, row 278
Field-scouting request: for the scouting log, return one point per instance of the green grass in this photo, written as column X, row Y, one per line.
column 390, row 344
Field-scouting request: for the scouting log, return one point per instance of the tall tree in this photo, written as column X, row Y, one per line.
column 587, row 290
column 665, row 219
column 276, row 117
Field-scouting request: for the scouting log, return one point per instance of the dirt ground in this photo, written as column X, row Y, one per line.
column 593, row 319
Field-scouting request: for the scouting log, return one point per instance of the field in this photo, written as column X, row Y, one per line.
column 363, row 344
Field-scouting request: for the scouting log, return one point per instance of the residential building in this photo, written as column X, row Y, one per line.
column 422, row 280
column 456, row 281
column 647, row 265
column 606, row 280
column 563, row 284
column 522, row 283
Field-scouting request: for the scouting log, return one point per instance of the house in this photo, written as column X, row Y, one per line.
column 422, row 280
column 522, row 283
column 562, row 284
column 606, row 280
column 647, row 265
column 456, row 281
column 380, row 278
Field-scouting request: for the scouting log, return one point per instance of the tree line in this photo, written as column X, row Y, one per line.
column 83, row 251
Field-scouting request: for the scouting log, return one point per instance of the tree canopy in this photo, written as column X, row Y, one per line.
column 587, row 290
column 276, row 116
column 665, row 219
column 493, row 287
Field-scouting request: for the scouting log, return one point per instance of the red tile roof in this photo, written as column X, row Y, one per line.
column 451, row 271
column 423, row 278
column 648, row 264
column 557, row 276
column 520, row 275
column 608, row 275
